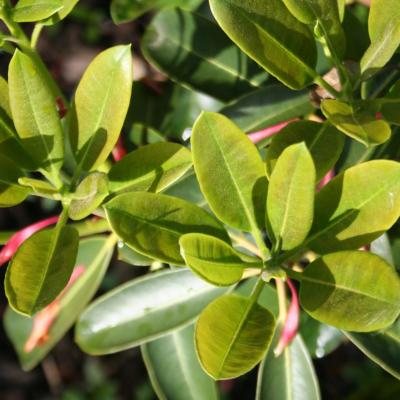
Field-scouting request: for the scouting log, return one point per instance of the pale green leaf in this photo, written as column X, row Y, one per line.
column 353, row 290
column 35, row 10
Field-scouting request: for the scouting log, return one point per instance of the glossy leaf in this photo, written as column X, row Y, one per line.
column 384, row 32
column 41, row 268
column 324, row 16
column 153, row 223
column 94, row 254
column 269, row 34
column 174, row 369
column 391, row 105
column 381, row 247
column 359, row 125
column 153, row 168
column 132, row 257
column 291, row 376
column 176, row 42
column 127, row 10
column 290, row 200
column 68, row 6
column 213, row 259
column 236, row 189
column 353, row 290
column 356, row 207
column 11, row 193
column 324, row 142
column 89, row 195
column 35, row 10
column 188, row 189
column 232, row 335
column 267, row 107
column 382, row 347
column 100, row 106
column 143, row 310
column 34, row 113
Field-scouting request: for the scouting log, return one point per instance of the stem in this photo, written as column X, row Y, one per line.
column 324, row 84
column 263, row 250
column 384, row 84
column 90, row 227
column 281, row 291
column 242, row 242
column 36, row 34
column 256, row 292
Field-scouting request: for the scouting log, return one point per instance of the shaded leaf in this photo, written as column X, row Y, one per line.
column 269, row 34
column 324, row 142
column 174, row 369
column 153, row 168
column 68, row 6
column 353, row 290
column 391, row 104
column 41, row 268
column 153, row 223
column 143, row 310
column 232, row 335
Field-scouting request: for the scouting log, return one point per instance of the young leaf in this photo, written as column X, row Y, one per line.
column 11, row 193
column 153, row 168
column 143, row 310
column 236, row 188
column 356, row 207
column 40, row 269
column 353, row 290
column 35, row 115
column 172, row 43
column 267, row 106
column 88, row 196
column 381, row 347
column 213, row 259
column 35, row 10
column 384, row 31
column 324, row 142
column 174, row 369
column 232, row 335
column 94, row 254
column 324, row 16
column 153, row 223
column 269, row 34
column 101, row 102
column 291, row 376
column 290, row 200
column 359, row 125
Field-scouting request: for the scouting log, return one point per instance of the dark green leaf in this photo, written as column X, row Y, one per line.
column 177, row 43
column 153, row 223
column 353, row 290
column 391, row 105
column 152, row 168
column 143, row 310
column 268, row 33
column 174, row 369
column 41, row 268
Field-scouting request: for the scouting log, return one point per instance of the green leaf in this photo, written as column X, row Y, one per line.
column 382, row 347
column 290, row 200
column 356, row 207
column 68, row 6
column 41, row 268
column 267, row 107
column 143, row 310
column 188, row 189
column 324, row 142
column 384, row 32
column 352, row 290
column 391, row 104
column 35, row 115
column 213, row 259
column 177, row 43
column 269, row 34
column 358, row 124
column 40, row 187
column 130, row 256
column 291, row 376
column 35, row 10
column 153, row 168
column 88, row 196
column 11, row 193
column 381, row 247
column 342, row 8
column 232, row 335
column 153, row 223
column 324, row 16
column 127, row 10
column 236, row 188
column 94, row 254
column 4, row 97
column 174, row 369
column 101, row 102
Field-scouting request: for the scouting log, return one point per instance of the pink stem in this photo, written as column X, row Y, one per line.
column 119, row 150
column 257, row 137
